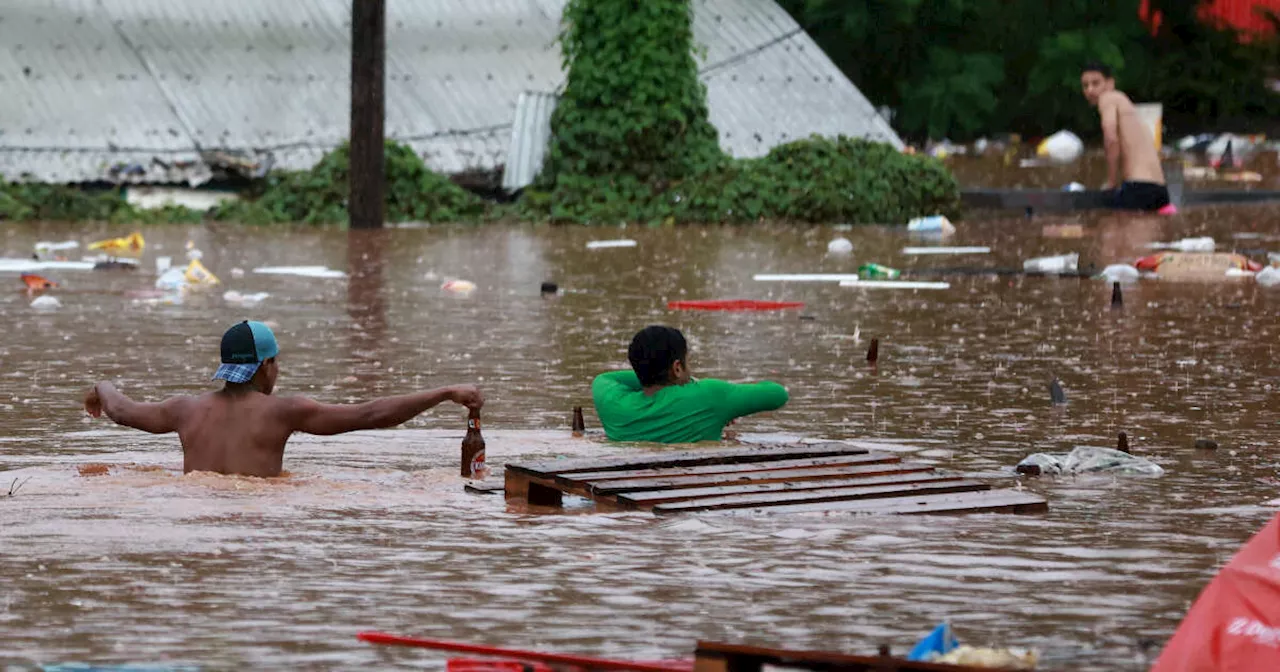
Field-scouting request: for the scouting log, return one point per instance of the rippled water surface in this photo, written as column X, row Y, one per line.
column 373, row 530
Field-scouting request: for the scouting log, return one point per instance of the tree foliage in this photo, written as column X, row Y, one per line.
column 962, row 68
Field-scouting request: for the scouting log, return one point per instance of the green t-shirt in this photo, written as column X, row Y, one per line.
column 696, row 411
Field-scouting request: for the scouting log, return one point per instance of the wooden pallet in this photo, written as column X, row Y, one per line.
column 760, row 479
column 718, row 657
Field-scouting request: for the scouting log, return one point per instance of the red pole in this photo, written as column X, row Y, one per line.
column 561, row 658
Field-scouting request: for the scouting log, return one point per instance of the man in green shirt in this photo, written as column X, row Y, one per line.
column 659, row 401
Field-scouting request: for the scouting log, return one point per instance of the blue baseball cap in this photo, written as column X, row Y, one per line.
column 244, row 348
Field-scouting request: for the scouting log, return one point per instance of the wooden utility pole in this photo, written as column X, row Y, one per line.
column 368, row 54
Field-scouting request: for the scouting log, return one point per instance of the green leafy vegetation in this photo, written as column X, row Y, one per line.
column 813, row 180
column 319, row 195
column 32, row 201
column 316, row 196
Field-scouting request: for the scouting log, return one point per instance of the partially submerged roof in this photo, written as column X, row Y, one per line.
column 162, row 90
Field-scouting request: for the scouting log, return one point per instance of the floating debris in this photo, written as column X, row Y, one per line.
column 300, row 271
column 895, row 284
column 1056, row 394
column 46, row 303
column 840, row 246
column 604, row 244
column 1088, row 459
column 938, row 224
column 804, row 277
column 460, row 287
column 946, row 250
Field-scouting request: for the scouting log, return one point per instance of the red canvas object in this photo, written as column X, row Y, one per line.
column 1235, row 623
column 733, row 304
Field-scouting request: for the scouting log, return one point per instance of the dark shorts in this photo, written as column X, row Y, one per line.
column 1139, row 196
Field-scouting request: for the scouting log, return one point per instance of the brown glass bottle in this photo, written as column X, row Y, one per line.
column 579, row 425
column 473, row 448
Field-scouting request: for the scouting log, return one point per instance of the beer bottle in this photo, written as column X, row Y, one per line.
column 579, row 425
column 473, row 448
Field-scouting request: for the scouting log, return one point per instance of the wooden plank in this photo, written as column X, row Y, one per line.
column 823, row 495
column 530, row 490
column 991, row 501
column 688, row 458
column 485, row 487
column 833, row 461
column 734, row 655
column 882, row 466
column 903, row 473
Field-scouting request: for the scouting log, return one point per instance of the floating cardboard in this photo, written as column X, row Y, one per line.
column 1200, row 266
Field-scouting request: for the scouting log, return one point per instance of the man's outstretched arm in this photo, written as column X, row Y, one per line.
column 312, row 417
column 158, row 418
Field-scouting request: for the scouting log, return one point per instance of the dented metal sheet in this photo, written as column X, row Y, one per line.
column 530, row 134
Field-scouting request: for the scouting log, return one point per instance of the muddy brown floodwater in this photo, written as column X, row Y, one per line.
column 372, row 531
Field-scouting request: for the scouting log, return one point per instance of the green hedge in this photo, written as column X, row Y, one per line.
column 33, row 201
column 319, row 195
column 813, row 180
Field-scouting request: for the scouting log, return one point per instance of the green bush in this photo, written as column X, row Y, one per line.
column 34, row 201
column 813, row 180
column 28, row 201
column 316, row 196
column 319, row 195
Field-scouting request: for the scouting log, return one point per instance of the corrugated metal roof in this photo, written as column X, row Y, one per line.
column 143, row 90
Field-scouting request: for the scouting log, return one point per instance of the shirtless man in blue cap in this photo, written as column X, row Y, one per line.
column 243, row 428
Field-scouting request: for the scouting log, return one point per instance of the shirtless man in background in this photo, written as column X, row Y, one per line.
column 243, row 428
column 1128, row 142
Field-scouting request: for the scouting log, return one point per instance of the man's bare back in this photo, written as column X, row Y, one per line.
column 1137, row 145
column 243, row 428
column 240, row 432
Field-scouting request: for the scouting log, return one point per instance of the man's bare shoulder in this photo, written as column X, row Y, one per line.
column 1116, row 99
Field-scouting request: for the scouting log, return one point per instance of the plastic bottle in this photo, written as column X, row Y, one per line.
column 1203, row 244
column 839, row 246
column 1056, row 264
column 473, row 448
column 878, row 271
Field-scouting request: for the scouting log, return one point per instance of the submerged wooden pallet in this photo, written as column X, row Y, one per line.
column 773, row 479
column 719, row 657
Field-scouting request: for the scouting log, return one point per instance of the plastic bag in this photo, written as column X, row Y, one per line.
column 1268, row 277
column 1120, row 273
column 1092, row 459
column 1061, row 147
